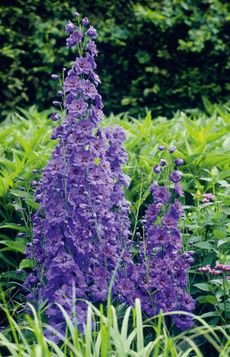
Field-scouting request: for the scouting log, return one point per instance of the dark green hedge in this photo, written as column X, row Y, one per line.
column 161, row 54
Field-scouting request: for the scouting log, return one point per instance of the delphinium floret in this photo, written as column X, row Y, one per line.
column 82, row 224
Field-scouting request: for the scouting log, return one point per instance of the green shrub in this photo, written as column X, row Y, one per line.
column 160, row 54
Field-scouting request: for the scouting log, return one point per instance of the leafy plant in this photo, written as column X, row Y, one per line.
column 25, row 148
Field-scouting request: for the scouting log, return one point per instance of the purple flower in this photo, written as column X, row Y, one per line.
column 55, row 116
column 88, row 88
column 160, row 194
column 70, row 27
column 207, row 197
column 157, row 169
column 152, row 214
column 172, row 149
column 179, row 162
column 72, row 82
column 178, row 189
column 85, row 21
column 91, row 32
column 77, row 106
column 92, row 48
column 175, row 176
column 74, row 38
column 163, row 162
column 82, row 66
column 161, row 147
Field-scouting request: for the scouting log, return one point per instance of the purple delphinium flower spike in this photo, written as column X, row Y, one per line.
column 81, row 227
column 160, row 272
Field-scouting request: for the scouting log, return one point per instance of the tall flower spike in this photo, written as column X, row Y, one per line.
column 82, row 224
column 159, row 275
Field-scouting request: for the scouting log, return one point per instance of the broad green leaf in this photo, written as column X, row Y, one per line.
column 202, row 286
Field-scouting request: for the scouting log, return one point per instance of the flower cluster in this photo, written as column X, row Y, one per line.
column 217, row 270
column 82, row 224
column 159, row 273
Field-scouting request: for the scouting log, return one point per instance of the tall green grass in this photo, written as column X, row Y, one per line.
column 109, row 335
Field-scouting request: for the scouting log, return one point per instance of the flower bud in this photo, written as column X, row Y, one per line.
column 157, row 169
column 163, row 162
column 92, row 32
column 175, row 176
column 55, row 116
column 57, row 103
column 55, row 76
column 172, row 149
column 85, row 21
column 179, row 162
column 69, row 27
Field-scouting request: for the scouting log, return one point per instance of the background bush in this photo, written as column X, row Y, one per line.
column 162, row 54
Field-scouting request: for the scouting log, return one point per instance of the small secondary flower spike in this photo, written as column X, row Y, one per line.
column 159, row 274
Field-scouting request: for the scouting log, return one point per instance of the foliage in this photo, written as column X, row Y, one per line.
column 201, row 139
column 25, row 147
column 167, row 52
column 111, row 335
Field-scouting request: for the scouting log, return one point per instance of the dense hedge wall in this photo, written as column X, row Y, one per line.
column 161, row 54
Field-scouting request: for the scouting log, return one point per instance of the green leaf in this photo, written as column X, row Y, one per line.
column 15, row 246
column 210, row 314
column 219, row 234
column 202, row 286
column 210, row 299
column 203, row 245
column 26, row 263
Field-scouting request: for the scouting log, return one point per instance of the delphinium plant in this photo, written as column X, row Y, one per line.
column 159, row 274
column 81, row 226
